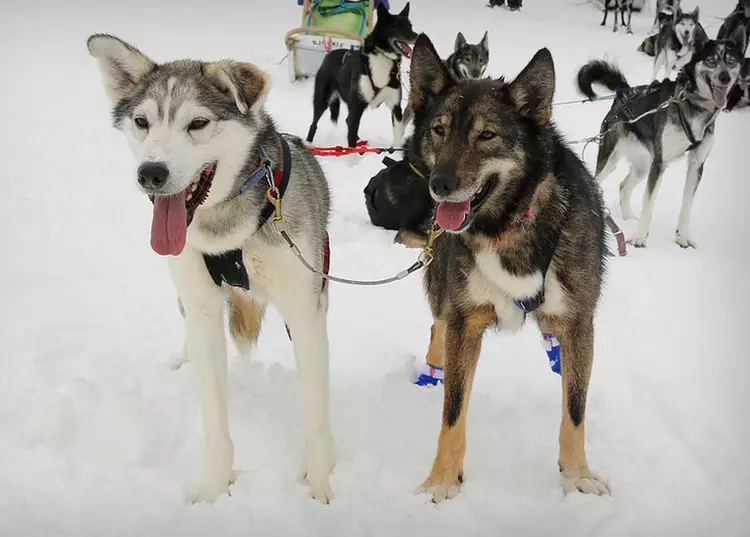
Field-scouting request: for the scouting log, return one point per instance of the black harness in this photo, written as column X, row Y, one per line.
column 228, row 267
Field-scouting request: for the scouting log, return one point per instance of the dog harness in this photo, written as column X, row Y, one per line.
column 228, row 267
column 394, row 74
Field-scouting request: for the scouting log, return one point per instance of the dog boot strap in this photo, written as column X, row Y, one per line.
column 552, row 348
column 428, row 375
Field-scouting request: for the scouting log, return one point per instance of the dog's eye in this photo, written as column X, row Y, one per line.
column 731, row 60
column 487, row 135
column 439, row 130
column 140, row 122
column 711, row 60
column 198, row 124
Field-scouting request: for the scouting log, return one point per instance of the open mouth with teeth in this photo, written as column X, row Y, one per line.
column 453, row 216
column 403, row 47
column 173, row 214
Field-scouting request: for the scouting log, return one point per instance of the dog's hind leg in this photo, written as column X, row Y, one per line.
column 696, row 160
column 630, row 17
column 245, row 319
column 321, row 99
column 655, row 175
column 296, row 293
column 203, row 304
column 576, row 337
column 606, row 158
column 627, row 185
column 463, row 342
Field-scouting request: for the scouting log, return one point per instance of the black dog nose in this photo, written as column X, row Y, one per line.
column 442, row 184
column 152, row 175
column 724, row 78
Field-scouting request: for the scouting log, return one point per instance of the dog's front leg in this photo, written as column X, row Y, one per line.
column 655, row 175
column 203, row 304
column 463, row 343
column 356, row 109
column 296, row 294
column 696, row 160
column 576, row 338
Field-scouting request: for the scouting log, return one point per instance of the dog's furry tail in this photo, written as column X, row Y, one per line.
column 603, row 73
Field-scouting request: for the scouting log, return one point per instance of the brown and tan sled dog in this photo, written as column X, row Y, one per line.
column 525, row 234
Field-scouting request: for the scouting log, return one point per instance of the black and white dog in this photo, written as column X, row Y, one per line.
column 622, row 6
column 675, row 43
column 367, row 77
column 468, row 61
column 686, row 125
column 739, row 96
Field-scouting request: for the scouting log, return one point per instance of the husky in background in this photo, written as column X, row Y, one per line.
column 622, row 5
column 655, row 141
column 739, row 96
column 367, row 77
column 468, row 61
column 524, row 234
column 675, row 42
column 207, row 153
column 665, row 10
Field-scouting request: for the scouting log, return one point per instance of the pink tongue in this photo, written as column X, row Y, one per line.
column 720, row 96
column 451, row 215
column 169, row 224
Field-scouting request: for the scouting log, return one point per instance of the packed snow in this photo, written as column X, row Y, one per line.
column 100, row 436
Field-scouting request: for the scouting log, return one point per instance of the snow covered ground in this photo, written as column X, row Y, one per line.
column 99, row 437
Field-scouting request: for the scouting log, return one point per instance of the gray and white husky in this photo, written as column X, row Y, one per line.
column 675, row 43
column 654, row 141
column 468, row 62
column 207, row 154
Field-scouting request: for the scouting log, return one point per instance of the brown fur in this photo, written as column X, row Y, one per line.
column 523, row 165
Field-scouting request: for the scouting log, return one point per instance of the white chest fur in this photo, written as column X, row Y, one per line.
column 491, row 282
column 380, row 75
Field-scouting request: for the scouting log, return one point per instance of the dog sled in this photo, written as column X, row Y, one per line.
column 327, row 25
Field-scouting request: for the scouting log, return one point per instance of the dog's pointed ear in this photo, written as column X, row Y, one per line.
column 700, row 38
column 405, row 11
column 460, row 42
column 122, row 65
column 696, row 13
column 533, row 89
column 738, row 37
column 484, row 43
column 243, row 82
column 382, row 11
column 427, row 74
column 678, row 12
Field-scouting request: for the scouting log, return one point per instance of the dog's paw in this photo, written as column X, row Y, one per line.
column 684, row 242
column 177, row 360
column 586, row 483
column 638, row 241
column 317, row 468
column 440, row 491
column 210, row 489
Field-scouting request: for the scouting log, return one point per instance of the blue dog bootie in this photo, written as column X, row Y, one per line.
column 552, row 348
column 428, row 375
